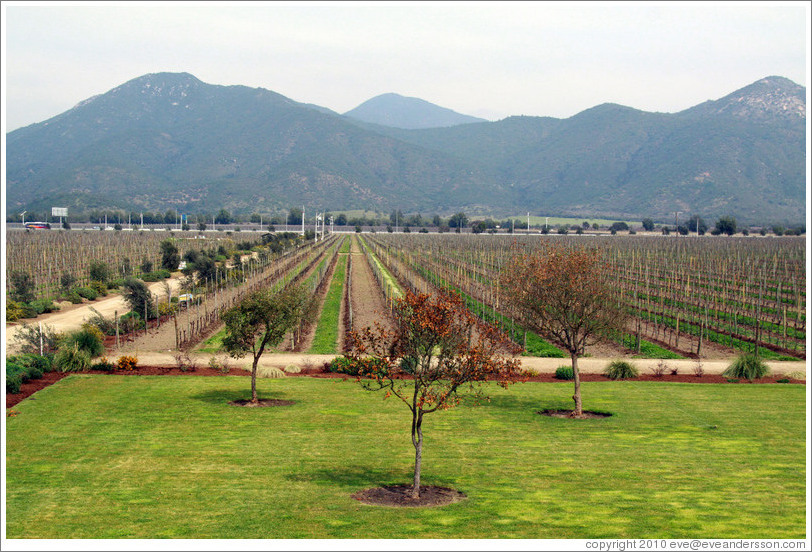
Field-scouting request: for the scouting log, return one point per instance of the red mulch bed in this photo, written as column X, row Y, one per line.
column 29, row 388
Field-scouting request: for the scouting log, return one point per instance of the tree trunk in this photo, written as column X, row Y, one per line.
column 576, row 375
column 254, row 398
column 417, row 441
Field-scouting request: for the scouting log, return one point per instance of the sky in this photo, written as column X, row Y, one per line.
column 487, row 59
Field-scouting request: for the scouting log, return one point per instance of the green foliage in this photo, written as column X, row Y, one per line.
column 99, row 287
column 367, row 366
column 103, row 365
column 72, row 359
column 99, row 271
column 564, row 373
column 66, row 281
column 170, row 256
column 40, row 363
column 131, row 321
column 14, row 377
column 89, row 339
column 22, row 287
column 87, row 292
column 138, row 298
column 22, row 368
column 747, row 366
column 726, row 225
column 620, row 369
column 14, row 311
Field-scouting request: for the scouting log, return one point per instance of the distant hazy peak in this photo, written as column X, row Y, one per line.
column 398, row 111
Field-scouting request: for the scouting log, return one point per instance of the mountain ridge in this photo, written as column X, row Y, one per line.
column 168, row 140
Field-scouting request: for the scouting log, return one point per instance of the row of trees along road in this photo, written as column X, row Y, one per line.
column 438, row 350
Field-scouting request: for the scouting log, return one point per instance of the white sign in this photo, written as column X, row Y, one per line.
column 59, row 211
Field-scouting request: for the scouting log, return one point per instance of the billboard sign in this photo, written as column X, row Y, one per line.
column 59, row 211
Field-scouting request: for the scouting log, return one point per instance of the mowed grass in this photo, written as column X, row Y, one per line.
column 325, row 338
column 153, row 457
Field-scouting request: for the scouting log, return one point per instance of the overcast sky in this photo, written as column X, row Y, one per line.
column 486, row 59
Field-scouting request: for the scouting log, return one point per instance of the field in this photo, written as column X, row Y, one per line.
column 156, row 457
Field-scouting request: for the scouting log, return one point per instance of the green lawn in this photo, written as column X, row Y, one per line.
column 152, row 457
column 325, row 337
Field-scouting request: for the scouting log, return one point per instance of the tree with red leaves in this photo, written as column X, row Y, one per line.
column 437, row 351
column 566, row 296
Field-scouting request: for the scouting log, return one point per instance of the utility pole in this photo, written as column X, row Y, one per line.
column 23, row 215
column 546, row 221
column 303, row 213
column 142, row 221
column 676, row 222
column 528, row 223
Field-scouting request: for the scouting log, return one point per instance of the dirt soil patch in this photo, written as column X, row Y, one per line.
column 585, row 415
column 400, row 496
column 261, row 403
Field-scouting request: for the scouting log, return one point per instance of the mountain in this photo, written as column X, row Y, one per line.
column 399, row 111
column 168, row 140
column 171, row 141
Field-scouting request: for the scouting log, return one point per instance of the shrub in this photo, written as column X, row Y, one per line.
column 217, row 362
column 747, row 366
column 184, row 362
column 29, row 337
column 43, row 305
column 106, row 326
column 73, row 297
column 343, row 365
column 87, row 292
column 564, row 373
column 14, row 377
column 99, row 287
column 660, row 369
column 103, row 365
column 699, row 369
column 131, row 321
column 127, row 363
column 782, row 380
column 14, row 311
column 39, row 363
column 72, row 359
column 620, row 369
column 89, row 339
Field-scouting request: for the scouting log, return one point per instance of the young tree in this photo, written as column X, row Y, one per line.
column 726, row 225
column 170, row 257
column 565, row 295
column 437, row 351
column 260, row 321
column 22, row 287
column 137, row 296
column 458, row 220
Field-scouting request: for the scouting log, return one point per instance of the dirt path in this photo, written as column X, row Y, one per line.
column 536, row 364
column 71, row 317
column 367, row 299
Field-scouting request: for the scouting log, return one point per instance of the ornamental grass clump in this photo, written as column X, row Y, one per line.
column 747, row 366
column 72, row 359
column 620, row 369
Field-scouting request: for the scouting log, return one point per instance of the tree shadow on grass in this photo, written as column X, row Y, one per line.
column 358, row 477
column 226, row 396
column 350, row 476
